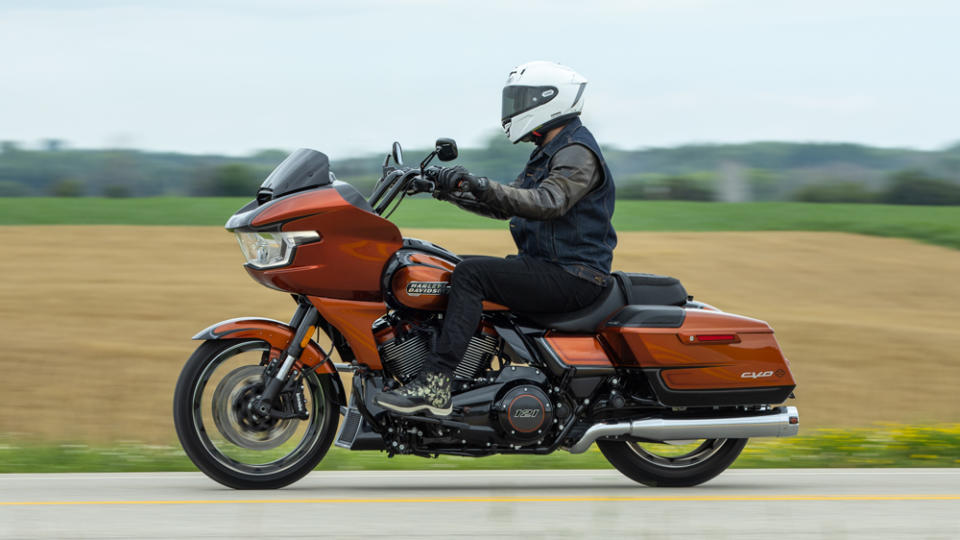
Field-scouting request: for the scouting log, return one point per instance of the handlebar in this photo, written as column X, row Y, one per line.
column 421, row 185
column 408, row 181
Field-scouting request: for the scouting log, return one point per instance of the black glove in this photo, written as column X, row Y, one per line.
column 449, row 178
column 458, row 179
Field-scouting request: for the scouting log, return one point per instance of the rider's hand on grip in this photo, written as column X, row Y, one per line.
column 474, row 184
column 458, row 179
column 449, row 178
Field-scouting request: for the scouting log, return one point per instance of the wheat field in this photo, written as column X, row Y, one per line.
column 96, row 321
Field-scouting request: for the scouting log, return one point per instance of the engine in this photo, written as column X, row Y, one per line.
column 403, row 349
column 525, row 412
column 509, row 407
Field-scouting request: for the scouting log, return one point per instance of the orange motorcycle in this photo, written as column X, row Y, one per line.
column 670, row 389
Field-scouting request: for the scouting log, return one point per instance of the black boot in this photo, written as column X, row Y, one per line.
column 430, row 391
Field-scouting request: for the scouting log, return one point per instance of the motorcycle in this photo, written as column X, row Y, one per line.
column 669, row 388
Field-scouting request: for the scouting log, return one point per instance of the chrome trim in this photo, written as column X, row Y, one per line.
column 597, row 431
column 207, row 333
column 285, row 368
column 776, row 424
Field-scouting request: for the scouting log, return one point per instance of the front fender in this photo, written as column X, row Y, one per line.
column 276, row 333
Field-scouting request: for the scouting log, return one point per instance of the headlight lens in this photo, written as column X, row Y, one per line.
column 272, row 250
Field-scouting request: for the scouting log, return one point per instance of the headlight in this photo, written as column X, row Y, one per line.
column 271, row 250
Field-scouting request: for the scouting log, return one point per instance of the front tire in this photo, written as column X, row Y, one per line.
column 232, row 450
column 648, row 464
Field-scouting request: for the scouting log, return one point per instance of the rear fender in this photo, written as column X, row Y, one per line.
column 278, row 335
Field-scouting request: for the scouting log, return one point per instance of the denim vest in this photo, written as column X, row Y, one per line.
column 582, row 240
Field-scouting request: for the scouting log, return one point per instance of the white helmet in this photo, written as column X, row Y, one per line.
column 539, row 95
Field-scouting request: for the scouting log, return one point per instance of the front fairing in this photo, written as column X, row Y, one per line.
column 349, row 257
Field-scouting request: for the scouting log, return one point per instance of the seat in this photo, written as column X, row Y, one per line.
column 585, row 320
column 652, row 290
column 626, row 289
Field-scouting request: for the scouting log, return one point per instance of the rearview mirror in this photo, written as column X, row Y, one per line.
column 398, row 154
column 446, row 149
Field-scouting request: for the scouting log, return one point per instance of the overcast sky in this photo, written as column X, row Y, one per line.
column 349, row 77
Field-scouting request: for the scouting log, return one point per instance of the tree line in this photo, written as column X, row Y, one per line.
column 722, row 172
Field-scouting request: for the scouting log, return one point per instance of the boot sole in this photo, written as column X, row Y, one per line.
column 416, row 408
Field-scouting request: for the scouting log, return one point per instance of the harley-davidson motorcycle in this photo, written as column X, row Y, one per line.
column 670, row 389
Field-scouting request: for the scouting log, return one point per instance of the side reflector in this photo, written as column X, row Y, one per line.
column 711, row 339
column 717, row 337
column 306, row 338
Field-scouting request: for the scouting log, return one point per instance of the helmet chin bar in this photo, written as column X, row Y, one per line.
column 539, row 133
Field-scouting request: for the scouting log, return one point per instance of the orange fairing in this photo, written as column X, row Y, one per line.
column 355, row 321
column 580, row 351
column 347, row 261
column 277, row 334
column 752, row 358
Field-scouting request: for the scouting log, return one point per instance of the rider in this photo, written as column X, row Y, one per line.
column 560, row 205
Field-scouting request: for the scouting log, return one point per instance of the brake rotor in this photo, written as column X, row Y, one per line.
column 237, row 423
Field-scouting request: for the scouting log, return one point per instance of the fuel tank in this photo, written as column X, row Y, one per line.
column 417, row 276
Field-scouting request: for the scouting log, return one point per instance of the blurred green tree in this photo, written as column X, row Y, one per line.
column 117, row 191
column 915, row 186
column 9, row 147
column 835, row 192
column 9, row 188
column 231, row 180
column 67, row 187
column 682, row 188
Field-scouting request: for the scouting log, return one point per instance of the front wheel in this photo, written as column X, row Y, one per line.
column 234, row 446
column 671, row 464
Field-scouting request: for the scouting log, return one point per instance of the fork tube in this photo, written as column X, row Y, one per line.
column 297, row 318
column 308, row 324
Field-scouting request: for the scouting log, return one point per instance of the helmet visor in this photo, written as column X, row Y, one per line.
column 517, row 99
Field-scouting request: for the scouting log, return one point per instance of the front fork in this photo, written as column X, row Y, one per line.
column 305, row 321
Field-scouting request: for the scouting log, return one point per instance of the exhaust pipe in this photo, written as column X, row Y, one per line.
column 780, row 422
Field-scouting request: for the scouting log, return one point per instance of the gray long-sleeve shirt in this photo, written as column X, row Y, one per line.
column 574, row 171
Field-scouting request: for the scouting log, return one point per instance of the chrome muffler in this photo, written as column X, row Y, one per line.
column 778, row 422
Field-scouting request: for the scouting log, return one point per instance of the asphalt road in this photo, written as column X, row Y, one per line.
column 741, row 504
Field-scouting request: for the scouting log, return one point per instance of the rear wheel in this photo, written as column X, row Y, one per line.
column 672, row 464
column 228, row 442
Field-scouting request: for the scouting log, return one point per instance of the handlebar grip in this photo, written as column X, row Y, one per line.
column 421, row 185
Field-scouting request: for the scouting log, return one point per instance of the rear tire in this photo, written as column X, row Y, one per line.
column 706, row 461
column 217, row 454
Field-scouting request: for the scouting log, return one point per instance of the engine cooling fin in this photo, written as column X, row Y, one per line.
column 404, row 356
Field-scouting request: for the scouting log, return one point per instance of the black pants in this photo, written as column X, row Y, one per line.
column 523, row 284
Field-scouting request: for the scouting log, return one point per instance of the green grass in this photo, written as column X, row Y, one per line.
column 935, row 225
column 895, row 446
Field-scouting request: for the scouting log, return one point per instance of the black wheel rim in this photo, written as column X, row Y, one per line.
column 656, row 454
column 243, row 460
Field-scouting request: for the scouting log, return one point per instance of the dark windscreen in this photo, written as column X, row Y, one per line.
column 303, row 169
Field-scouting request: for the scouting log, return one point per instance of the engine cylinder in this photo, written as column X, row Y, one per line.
column 404, row 350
